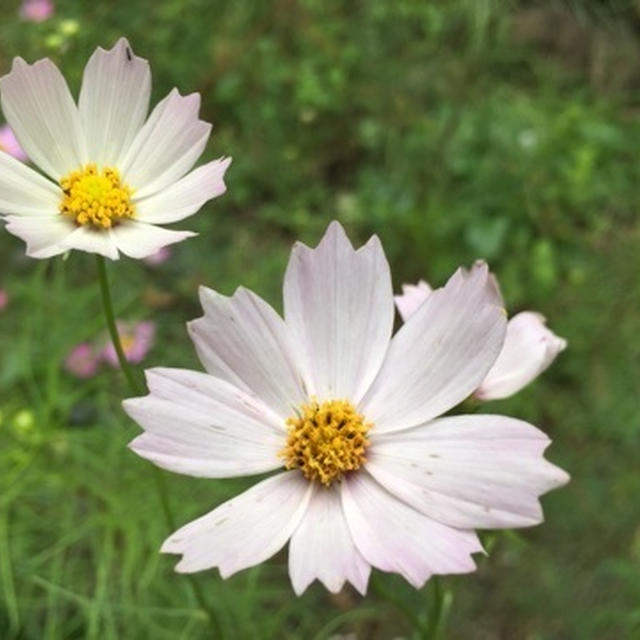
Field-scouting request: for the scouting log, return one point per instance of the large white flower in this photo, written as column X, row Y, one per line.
column 373, row 477
column 112, row 176
column 529, row 346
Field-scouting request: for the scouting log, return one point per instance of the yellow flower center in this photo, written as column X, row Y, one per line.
column 326, row 440
column 96, row 198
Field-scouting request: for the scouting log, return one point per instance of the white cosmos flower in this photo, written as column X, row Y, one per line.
column 373, row 477
column 529, row 346
column 112, row 176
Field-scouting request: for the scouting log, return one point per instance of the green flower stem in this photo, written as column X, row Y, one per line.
column 440, row 605
column 107, row 305
column 137, row 389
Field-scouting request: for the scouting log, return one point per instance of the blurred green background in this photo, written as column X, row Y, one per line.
column 453, row 130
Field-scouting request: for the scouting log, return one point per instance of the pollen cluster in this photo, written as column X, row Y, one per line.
column 96, row 198
column 326, row 440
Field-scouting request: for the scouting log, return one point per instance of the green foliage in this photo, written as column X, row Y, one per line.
column 454, row 131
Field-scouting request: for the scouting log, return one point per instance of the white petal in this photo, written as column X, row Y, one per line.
column 243, row 340
column 140, row 240
column 394, row 537
column 25, row 192
column 45, row 235
column 202, row 426
column 185, row 197
column 440, row 355
column 245, row 530
column 413, row 295
column 339, row 304
column 92, row 241
column 479, row 471
column 167, row 146
column 39, row 108
column 529, row 348
column 322, row 547
column 114, row 100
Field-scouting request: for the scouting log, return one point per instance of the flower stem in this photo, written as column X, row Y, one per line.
column 107, row 305
column 137, row 390
column 441, row 601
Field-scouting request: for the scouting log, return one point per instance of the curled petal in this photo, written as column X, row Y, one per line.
column 529, row 348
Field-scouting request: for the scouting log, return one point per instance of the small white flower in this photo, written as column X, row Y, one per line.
column 112, row 176
column 529, row 346
column 373, row 478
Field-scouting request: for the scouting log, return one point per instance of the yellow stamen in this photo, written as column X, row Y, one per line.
column 326, row 440
column 96, row 198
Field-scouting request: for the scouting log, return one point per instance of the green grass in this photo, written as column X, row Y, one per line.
column 452, row 130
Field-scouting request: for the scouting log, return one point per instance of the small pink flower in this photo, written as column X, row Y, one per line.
column 529, row 346
column 82, row 361
column 160, row 256
column 36, row 10
column 4, row 299
column 10, row 144
column 136, row 341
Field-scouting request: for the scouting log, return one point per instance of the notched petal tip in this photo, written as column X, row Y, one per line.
column 129, row 405
column 206, row 294
column 122, row 48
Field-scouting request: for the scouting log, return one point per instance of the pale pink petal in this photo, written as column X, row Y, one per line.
column 478, row 471
column 440, row 355
column 90, row 240
column 114, row 100
column 529, row 348
column 186, row 196
column 24, row 192
column 167, row 146
column 46, row 236
column 39, row 108
column 9, row 144
column 322, row 547
column 4, row 299
column 339, row 304
column 243, row 340
column 413, row 295
column 393, row 536
column 140, row 240
column 245, row 530
column 202, row 426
